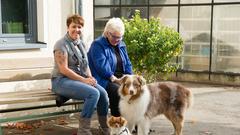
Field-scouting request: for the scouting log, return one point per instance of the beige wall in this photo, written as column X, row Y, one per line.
column 37, row 63
column 87, row 13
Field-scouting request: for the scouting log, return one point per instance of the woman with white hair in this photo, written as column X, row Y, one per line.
column 108, row 60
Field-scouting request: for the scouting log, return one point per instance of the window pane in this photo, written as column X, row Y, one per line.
column 226, row 0
column 195, row 30
column 167, row 15
column 163, row 2
column 106, row 2
column 101, row 17
column 134, row 2
column 128, row 12
column 14, row 16
column 226, row 41
column 195, row 1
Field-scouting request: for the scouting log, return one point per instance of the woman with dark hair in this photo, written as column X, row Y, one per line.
column 71, row 77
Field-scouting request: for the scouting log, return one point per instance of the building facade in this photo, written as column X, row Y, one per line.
column 210, row 28
column 28, row 32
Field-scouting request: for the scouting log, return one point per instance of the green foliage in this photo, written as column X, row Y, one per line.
column 151, row 45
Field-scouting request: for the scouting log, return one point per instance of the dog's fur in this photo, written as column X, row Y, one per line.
column 117, row 126
column 140, row 102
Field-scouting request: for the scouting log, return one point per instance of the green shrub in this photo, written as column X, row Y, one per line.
column 151, row 46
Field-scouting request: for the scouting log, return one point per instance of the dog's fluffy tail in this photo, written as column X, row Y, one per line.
column 190, row 98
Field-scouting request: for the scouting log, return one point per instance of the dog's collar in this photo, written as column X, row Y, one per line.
column 124, row 130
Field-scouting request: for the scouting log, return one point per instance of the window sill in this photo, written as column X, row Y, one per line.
column 22, row 46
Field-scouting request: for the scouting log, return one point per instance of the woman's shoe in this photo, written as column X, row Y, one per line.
column 84, row 126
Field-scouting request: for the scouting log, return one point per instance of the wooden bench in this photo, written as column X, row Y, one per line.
column 28, row 101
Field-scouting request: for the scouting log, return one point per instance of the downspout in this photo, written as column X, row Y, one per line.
column 78, row 7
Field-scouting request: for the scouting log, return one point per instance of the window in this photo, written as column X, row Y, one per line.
column 18, row 23
column 210, row 29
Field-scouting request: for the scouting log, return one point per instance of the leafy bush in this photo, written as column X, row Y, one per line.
column 151, row 46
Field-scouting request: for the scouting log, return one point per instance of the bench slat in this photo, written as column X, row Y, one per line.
column 26, row 99
column 28, row 95
column 30, row 100
column 19, row 93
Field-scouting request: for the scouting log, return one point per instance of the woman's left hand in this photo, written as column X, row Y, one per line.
column 92, row 81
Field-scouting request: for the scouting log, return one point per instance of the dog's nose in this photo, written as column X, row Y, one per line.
column 117, row 125
column 131, row 92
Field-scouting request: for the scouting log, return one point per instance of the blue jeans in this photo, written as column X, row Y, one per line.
column 93, row 96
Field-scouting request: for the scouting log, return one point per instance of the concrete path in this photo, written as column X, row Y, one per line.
column 216, row 111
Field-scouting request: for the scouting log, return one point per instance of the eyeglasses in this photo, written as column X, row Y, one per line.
column 116, row 37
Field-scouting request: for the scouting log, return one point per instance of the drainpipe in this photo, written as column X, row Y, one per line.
column 78, row 7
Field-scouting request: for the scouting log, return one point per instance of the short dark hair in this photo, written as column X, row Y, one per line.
column 75, row 19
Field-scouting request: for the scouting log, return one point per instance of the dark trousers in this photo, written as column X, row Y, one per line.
column 112, row 90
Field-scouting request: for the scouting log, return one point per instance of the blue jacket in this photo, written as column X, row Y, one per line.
column 103, row 62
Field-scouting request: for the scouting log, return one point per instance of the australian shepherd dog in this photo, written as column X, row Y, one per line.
column 118, row 125
column 140, row 102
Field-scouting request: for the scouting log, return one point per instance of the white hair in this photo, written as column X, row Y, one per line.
column 114, row 25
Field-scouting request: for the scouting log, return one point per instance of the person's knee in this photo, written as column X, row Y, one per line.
column 95, row 95
column 104, row 95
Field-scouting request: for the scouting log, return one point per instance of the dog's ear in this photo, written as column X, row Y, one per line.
column 110, row 121
column 123, row 121
column 121, row 80
column 141, row 80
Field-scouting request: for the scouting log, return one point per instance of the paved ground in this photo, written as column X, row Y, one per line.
column 216, row 111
